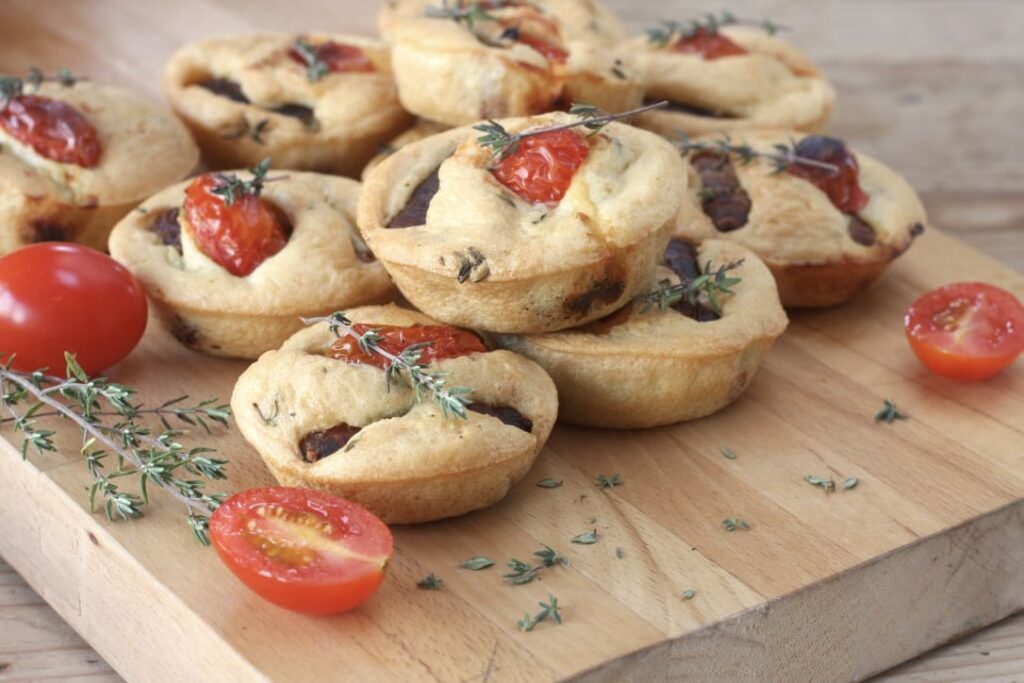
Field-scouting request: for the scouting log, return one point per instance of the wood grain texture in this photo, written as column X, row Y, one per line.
column 927, row 85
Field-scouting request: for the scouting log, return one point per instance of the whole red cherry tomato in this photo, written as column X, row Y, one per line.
column 708, row 44
column 966, row 331
column 239, row 236
column 54, row 129
column 301, row 549
column 442, row 341
column 541, row 167
column 57, row 297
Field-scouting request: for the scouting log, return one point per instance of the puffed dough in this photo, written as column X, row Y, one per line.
column 774, row 86
column 354, row 112
column 661, row 367
column 583, row 20
column 409, row 463
column 323, row 267
column 143, row 148
column 451, row 74
column 800, row 234
column 421, row 130
column 547, row 267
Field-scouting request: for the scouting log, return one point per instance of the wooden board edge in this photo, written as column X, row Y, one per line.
column 37, row 541
column 886, row 616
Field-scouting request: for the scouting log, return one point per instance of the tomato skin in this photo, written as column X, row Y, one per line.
column 708, row 44
column 326, row 585
column 339, row 57
column 541, row 168
column 238, row 237
column 843, row 188
column 967, row 331
column 57, row 297
column 446, row 342
column 54, row 129
column 550, row 51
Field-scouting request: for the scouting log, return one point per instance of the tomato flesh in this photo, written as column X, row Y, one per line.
column 966, row 331
column 301, row 549
column 57, row 297
column 842, row 187
column 541, row 167
column 444, row 342
column 339, row 57
column 54, row 129
column 238, row 237
column 548, row 50
column 708, row 44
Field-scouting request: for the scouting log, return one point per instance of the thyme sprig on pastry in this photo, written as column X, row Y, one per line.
column 461, row 11
column 231, row 188
column 705, row 289
column 501, row 142
column 669, row 31
column 316, row 68
column 782, row 158
column 134, row 448
column 452, row 401
column 13, row 86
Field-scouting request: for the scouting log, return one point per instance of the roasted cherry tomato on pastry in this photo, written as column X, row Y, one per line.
column 57, row 297
column 541, row 167
column 54, row 129
column 708, row 44
column 966, row 331
column 301, row 549
column 438, row 342
column 231, row 223
column 335, row 57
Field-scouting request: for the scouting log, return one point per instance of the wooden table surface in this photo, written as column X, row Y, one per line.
column 930, row 86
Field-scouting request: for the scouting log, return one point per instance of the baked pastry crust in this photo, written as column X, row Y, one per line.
column 409, row 463
column 421, row 130
column 353, row 112
column 143, row 148
column 583, row 20
column 774, row 86
column 455, row 75
column 544, row 267
column 660, row 367
column 208, row 309
column 801, row 236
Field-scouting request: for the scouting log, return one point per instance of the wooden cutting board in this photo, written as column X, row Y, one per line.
column 929, row 545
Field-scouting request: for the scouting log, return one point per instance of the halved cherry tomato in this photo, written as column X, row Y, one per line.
column 843, row 188
column 338, row 57
column 301, row 549
column 239, row 237
column 966, row 331
column 54, row 129
column 443, row 341
column 550, row 51
column 58, row 297
column 708, row 44
column 541, row 168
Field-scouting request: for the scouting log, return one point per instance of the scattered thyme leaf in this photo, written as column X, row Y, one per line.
column 850, row 483
column 550, row 558
column 549, row 611
column 430, row 582
column 734, row 524
column 689, row 594
column 890, row 413
column 618, row 553
column 826, row 483
column 477, row 563
column 728, row 454
column 549, row 483
column 586, row 538
column 606, row 482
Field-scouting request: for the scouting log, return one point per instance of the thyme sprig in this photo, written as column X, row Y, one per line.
column 316, row 68
column 452, row 401
column 671, row 31
column 501, row 142
column 135, row 447
column 522, row 572
column 12, row 86
column 549, row 610
column 784, row 156
column 461, row 12
column 705, row 289
column 231, row 188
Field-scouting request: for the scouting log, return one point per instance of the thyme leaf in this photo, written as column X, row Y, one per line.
column 586, row 538
column 477, row 563
column 430, row 583
column 705, row 289
column 733, row 524
column 890, row 413
column 549, row 483
column 606, row 482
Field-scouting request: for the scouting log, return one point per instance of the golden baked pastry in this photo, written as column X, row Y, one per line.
column 234, row 280
column 557, row 229
column 648, row 364
column 321, row 414
column 515, row 60
column 421, row 130
column 318, row 102
column 585, row 20
column 76, row 156
column 721, row 76
column 826, row 219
